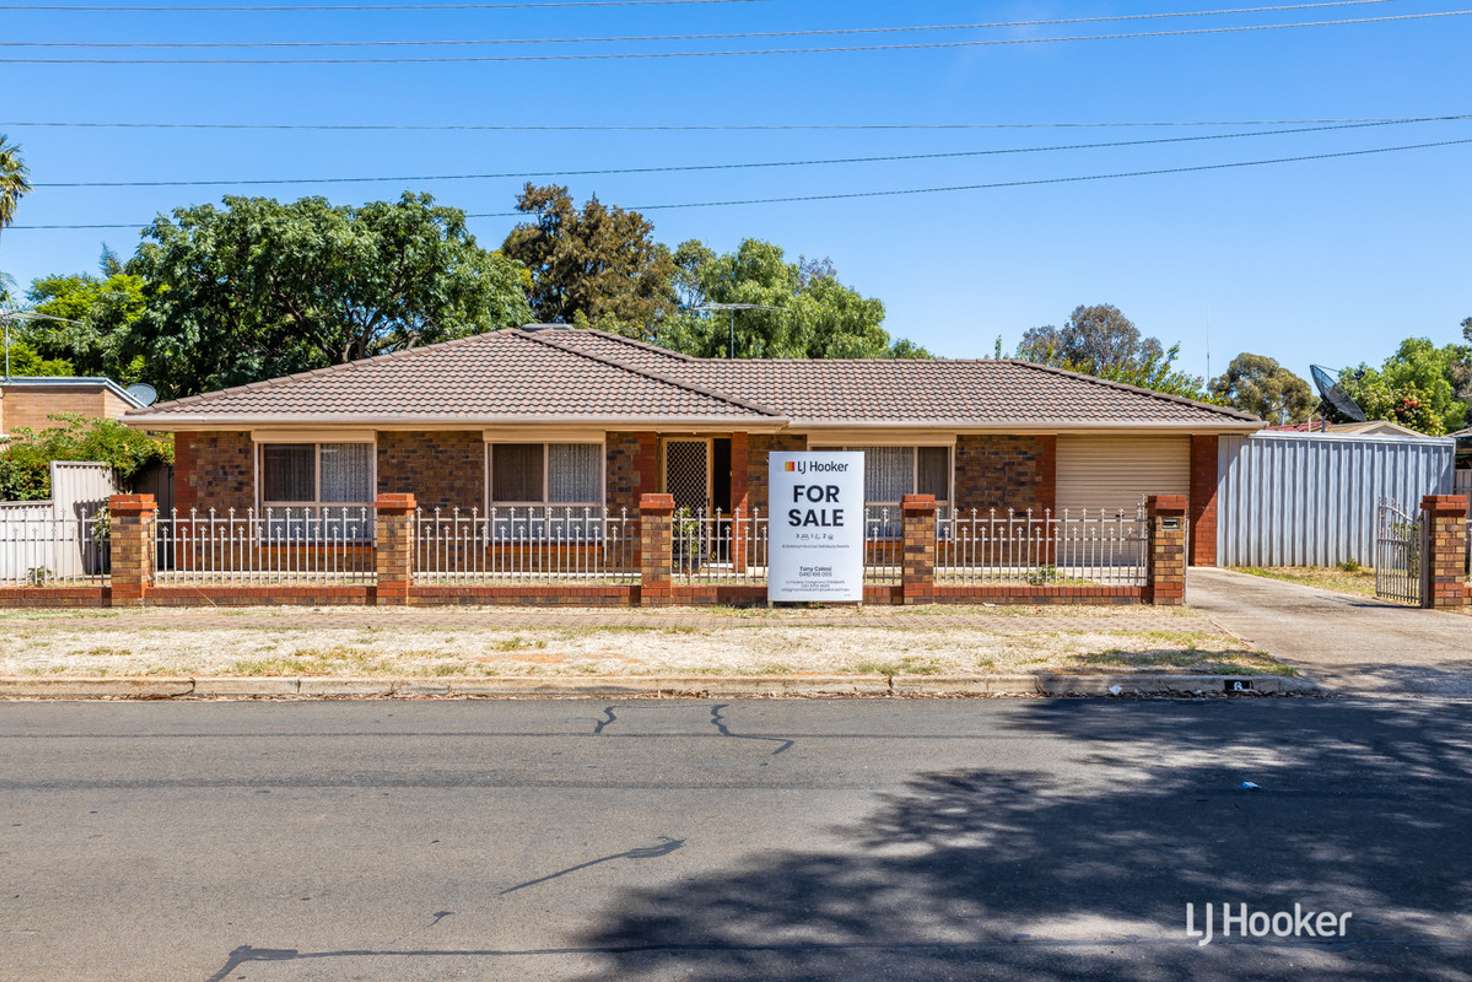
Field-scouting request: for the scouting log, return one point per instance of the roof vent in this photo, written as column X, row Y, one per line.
column 546, row 327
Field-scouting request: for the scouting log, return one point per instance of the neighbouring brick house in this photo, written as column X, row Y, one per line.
column 30, row 402
column 556, row 416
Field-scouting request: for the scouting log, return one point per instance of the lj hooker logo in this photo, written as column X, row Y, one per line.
column 814, row 466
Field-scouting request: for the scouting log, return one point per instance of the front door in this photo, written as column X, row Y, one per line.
column 687, row 473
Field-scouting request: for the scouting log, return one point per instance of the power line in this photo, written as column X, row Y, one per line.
column 695, row 127
column 852, row 195
column 748, row 165
column 749, row 52
column 120, row 8
column 728, row 36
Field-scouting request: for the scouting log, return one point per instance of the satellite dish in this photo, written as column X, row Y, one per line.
column 143, row 393
column 1335, row 404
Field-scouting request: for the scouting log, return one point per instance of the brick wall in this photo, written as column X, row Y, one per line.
column 1203, row 500
column 632, row 469
column 1006, row 471
column 442, row 469
column 214, row 470
column 29, row 407
column 759, row 445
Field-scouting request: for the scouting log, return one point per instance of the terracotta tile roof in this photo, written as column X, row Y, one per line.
column 503, row 375
column 570, row 374
column 964, row 392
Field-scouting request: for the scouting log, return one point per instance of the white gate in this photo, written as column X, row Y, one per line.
column 1397, row 554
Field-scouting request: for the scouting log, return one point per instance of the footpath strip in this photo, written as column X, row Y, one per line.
column 1160, row 685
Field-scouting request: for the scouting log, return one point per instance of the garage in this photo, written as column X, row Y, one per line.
column 1114, row 472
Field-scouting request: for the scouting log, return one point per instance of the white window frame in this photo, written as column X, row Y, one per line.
column 601, row 444
column 316, row 445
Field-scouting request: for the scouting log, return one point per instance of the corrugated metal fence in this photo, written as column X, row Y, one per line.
column 1308, row 499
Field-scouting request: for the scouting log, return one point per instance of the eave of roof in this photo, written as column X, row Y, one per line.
column 71, row 381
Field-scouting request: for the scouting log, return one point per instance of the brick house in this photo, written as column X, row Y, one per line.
column 556, row 416
column 30, row 402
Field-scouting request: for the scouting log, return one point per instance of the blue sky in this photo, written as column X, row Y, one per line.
column 1330, row 261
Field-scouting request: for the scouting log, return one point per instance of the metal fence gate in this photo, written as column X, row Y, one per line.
column 1397, row 554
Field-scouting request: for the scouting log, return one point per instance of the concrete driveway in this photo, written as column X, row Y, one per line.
column 1347, row 642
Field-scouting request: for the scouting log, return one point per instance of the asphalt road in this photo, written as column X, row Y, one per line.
column 883, row 839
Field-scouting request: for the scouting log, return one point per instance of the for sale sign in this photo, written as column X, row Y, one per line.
column 816, row 526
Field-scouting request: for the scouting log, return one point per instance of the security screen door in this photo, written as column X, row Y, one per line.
column 687, row 473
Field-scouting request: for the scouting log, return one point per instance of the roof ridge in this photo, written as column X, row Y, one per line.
column 314, row 372
column 643, row 345
column 537, row 337
column 1136, row 389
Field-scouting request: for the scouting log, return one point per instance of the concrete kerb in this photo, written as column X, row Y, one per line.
column 661, row 687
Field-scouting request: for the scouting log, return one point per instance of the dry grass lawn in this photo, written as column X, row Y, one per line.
column 1359, row 581
column 488, row 641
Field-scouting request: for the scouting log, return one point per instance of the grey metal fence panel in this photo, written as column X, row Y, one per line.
column 1309, row 499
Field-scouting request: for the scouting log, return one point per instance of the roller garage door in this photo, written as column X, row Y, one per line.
column 1114, row 472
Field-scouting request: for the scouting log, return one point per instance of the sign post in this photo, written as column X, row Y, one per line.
column 815, row 527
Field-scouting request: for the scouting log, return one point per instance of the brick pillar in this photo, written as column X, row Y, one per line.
column 740, row 500
column 918, row 584
column 1444, row 583
column 131, row 517
column 1203, row 500
column 1166, row 580
column 656, row 552
column 394, row 548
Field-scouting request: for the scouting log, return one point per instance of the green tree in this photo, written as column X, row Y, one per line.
column 597, row 266
column 1258, row 385
column 95, row 315
column 259, row 288
column 13, row 181
column 1100, row 340
column 812, row 315
column 26, row 361
column 25, row 459
column 1414, row 387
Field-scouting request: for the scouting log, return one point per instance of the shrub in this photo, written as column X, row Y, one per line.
column 25, row 459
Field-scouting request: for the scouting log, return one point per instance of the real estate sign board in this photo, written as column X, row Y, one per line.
column 816, row 526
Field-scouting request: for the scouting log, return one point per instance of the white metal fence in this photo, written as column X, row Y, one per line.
column 543, row 544
column 63, row 539
column 327, row 544
column 1081, row 548
column 39, row 547
column 884, row 545
column 719, row 547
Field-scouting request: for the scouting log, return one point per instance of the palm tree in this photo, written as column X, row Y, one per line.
column 13, row 183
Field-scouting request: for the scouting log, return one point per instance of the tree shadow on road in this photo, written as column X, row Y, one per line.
column 1015, row 873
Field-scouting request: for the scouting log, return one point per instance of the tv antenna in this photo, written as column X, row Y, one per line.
column 732, row 308
column 25, row 315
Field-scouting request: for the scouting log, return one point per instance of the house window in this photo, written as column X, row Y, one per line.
column 316, row 474
column 890, row 473
column 546, row 474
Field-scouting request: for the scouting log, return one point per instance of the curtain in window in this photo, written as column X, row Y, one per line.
column 934, row 472
column 346, row 472
column 889, row 472
column 574, row 472
column 287, row 471
column 516, row 472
